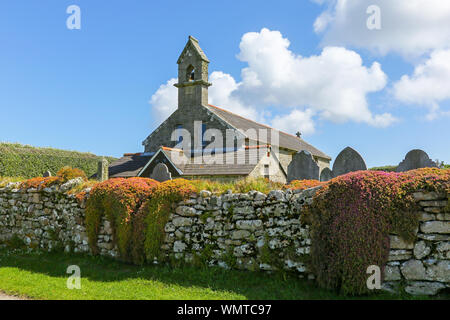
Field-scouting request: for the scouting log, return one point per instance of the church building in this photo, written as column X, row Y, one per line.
column 202, row 141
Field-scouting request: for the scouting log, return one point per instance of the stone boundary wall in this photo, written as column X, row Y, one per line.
column 48, row 219
column 251, row 231
column 423, row 266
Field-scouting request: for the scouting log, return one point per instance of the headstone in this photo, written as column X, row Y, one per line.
column 302, row 167
column 161, row 173
column 47, row 174
column 415, row 159
column 103, row 170
column 348, row 160
column 326, row 174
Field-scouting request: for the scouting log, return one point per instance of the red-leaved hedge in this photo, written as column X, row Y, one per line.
column 118, row 200
column 352, row 216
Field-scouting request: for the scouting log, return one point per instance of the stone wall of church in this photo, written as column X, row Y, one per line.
column 185, row 117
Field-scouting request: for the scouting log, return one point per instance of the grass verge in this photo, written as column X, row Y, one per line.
column 40, row 275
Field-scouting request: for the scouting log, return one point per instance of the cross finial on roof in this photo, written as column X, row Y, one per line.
column 298, row 134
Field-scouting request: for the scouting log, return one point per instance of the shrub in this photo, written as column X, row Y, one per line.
column 242, row 185
column 28, row 162
column 39, row 182
column 68, row 173
column 352, row 216
column 149, row 223
column 303, row 184
column 384, row 168
column 117, row 200
column 63, row 175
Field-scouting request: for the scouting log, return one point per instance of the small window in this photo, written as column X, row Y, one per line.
column 266, row 171
column 179, row 127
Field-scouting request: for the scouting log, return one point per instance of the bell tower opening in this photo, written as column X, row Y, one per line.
column 190, row 73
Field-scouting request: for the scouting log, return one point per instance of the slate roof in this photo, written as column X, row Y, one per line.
column 243, row 163
column 129, row 165
column 286, row 140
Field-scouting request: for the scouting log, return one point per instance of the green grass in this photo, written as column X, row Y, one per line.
column 43, row 276
column 384, row 168
column 17, row 160
column 242, row 185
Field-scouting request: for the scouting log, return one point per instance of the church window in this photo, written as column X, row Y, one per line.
column 179, row 133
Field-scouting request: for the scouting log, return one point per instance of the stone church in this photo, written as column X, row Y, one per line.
column 202, row 141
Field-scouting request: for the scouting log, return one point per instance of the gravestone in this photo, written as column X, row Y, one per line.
column 415, row 159
column 326, row 174
column 161, row 173
column 348, row 160
column 302, row 167
column 47, row 174
column 103, row 170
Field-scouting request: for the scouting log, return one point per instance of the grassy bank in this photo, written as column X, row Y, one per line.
column 17, row 160
column 43, row 276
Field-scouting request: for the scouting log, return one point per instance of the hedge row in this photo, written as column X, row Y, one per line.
column 352, row 216
column 18, row 160
column 137, row 209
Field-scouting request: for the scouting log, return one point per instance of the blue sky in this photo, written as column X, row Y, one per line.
column 89, row 89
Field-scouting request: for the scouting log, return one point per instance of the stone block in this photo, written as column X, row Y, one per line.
column 435, row 227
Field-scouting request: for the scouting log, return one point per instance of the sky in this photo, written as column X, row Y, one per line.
column 341, row 72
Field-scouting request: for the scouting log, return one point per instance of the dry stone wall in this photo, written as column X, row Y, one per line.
column 423, row 266
column 48, row 219
column 251, row 231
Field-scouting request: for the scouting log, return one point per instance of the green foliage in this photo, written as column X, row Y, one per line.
column 149, row 223
column 5, row 180
column 15, row 242
column 352, row 216
column 269, row 256
column 68, row 173
column 229, row 258
column 201, row 259
column 25, row 161
column 117, row 200
column 40, row 275
column 384, row 168
column 239, row 186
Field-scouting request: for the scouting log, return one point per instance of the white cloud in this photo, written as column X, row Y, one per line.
column 428, row 85
column 221, row 94
column 295, row 121
column 409, row 27
column 165, row 100
column 332, row 86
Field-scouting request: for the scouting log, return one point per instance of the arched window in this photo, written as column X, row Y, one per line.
column 190, row 73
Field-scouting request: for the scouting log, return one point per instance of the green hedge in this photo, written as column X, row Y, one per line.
column 25, row 161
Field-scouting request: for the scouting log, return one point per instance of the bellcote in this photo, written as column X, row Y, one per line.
column 192, row 76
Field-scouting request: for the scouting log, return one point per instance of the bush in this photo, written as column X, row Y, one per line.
column 384, row 168
column 149, row 223
column 352, row 216
column 63, row 175
column 117, row 200
column 39, row 182
column 28, row 162
column 67, row 173
column 242, row 185
column 303, row 184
